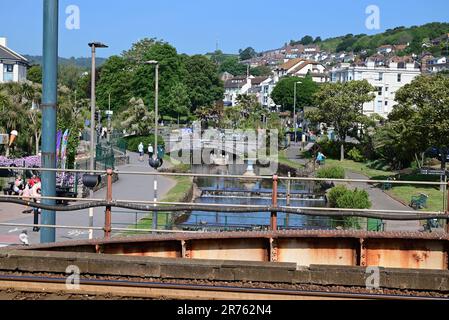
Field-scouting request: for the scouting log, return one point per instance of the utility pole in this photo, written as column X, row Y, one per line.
column 93, row 107
column 49, row 102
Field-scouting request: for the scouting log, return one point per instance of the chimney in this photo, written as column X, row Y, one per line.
column 3, row 42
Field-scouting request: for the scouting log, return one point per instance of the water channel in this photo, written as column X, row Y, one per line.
column 250, row 192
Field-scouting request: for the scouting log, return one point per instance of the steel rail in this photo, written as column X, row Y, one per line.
column 200, row 175
column 208, row 288
column 176, row 207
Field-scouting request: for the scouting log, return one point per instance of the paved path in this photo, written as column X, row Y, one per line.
column 127, row 188
column 380, row 200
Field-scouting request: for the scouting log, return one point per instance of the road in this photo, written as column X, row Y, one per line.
column 127, row 188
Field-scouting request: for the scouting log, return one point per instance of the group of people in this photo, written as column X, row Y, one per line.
column 30, row 191
column 141, row 150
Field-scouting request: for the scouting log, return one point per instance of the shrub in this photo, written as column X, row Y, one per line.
column 331, row 173
column 357, row 199
column 342, row 197
column 132, row 143
column 335, row 194
column 356, row 155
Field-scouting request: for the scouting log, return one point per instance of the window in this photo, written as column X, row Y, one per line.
column 9, row 68
column 8, row 72
column 381, row 76
column 386, row 103
column 386, row 89
column 379, row 107
column 399, row 77
column 379, row 91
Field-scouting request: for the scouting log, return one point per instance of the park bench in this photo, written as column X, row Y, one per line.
column 387, row 186
column 419, row 202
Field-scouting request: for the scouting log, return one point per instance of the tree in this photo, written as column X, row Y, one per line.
column 261, row 71
column 139, row 50
column 306, row 40
column 233, row 66
column 340, row 105
column 136, row 119
column 68, row 75
column 35, row 74
column 178, row 101
column 114, row 80
column 247, row 54
column 283, row 94
column 202, row 82
column 317, row 40
column 425, row 102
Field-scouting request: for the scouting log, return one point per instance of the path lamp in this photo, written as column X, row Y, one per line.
column 155, row 162
column 94, row 46
column 295, row 119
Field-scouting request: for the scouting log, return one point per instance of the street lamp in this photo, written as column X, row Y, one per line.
column 155, row 162
column 295, row 120
column 93, row 46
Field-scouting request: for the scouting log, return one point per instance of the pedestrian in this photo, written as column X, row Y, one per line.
column 320, row 158
column 36, row 192
column 141, row 151
column 150, row 150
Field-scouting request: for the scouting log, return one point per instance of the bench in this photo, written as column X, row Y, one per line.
column 419, row 202
column 387, row 186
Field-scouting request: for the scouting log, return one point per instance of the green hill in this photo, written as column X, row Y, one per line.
column 84, row 63
column 415, row 35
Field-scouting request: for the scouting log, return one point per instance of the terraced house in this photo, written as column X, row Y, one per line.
column 13, row 66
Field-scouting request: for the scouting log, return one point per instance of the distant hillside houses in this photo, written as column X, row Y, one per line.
column 13, row 66
column 388, row 69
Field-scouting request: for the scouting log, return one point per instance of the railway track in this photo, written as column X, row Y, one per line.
column 157, row 290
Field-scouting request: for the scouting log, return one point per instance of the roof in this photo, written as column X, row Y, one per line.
column 291, row 63
column 8, row 54
column 258, row 80
column 235, row 83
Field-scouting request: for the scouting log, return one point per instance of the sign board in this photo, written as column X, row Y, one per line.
column 109, row 113
column 4, row 139
column 433, row 172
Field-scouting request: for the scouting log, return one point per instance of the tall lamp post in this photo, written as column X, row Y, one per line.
column 155, row 162
column 295, row 119
column 94, row 46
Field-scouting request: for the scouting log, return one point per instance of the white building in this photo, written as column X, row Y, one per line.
column 386, row 79
column 13, row 66
column 261, row 87
column 438, row 65
column 301, row 68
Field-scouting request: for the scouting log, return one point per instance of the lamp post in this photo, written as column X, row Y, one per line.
column 295, row 120
column 93, row 46
column 155, row 163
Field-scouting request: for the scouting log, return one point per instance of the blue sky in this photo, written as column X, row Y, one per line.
column 194, row 26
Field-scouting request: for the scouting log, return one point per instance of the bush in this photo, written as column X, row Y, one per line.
column 356, row 155
column 331, row 173
column 332, row 149
column 342, row 197
column 132, row 143
column 335, row 194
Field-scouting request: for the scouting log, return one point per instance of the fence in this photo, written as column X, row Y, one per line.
column 273, row 210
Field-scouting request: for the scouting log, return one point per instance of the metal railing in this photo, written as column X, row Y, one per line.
column 273, row 209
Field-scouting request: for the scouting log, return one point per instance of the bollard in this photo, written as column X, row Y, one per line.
column 274, row 204
column 108, row 212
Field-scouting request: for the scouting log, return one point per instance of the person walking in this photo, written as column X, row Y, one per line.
column 320, row 159
column 141, row 151
column 150, row 150
column 36, row 192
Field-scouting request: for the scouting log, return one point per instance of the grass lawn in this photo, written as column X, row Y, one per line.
column 283, row 159
column 361, row 168
column 403, row 193
column 175, row 194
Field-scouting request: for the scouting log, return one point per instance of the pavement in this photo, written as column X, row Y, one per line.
column 379, row 199
column 128, row 187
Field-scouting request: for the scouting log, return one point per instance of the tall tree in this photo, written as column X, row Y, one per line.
column 233, row 66
column 178, row 101
column 247, row 54
column 340, row 106
column 202, row 81
column 284, row 92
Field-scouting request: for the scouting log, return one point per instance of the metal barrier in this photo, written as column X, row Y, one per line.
column 273, row 209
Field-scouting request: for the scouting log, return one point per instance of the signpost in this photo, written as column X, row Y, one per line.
column 434, row 172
